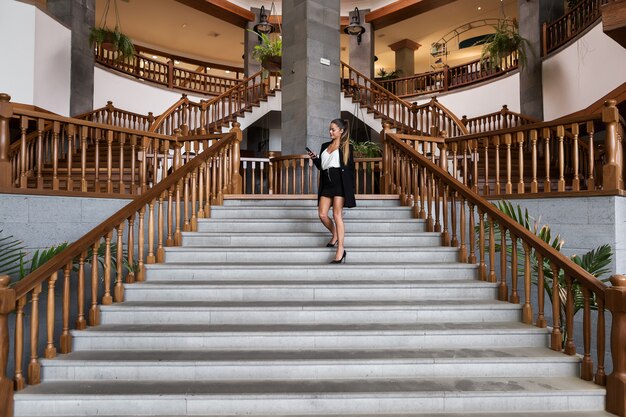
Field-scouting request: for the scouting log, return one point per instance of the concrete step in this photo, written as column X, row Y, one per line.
column 295, row 290
column 320, row 239
column 276, row 212
column 343, row 396
column 310, row 255
column 308, row 225
column 298, row 271
column 308, row 336
column 589, row 413
column 309, row 312
column 305, row 201
column 178, row 365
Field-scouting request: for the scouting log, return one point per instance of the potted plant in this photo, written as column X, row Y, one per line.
column 112, row 40
column 503, row 43
column 269, row 52
column 366, row 149
column 384, row 75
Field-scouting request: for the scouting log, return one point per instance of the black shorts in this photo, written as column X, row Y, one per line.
column 331, row 183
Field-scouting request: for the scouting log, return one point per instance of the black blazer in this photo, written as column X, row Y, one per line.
column 347, row 175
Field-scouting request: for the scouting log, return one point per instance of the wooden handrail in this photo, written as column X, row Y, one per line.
column 502, row 119
column 112, row 115
column 570, row 25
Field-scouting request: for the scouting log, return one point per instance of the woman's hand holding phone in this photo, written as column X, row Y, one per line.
column 312, row 154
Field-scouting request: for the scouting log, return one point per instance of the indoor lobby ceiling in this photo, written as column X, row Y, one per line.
column 173, row 27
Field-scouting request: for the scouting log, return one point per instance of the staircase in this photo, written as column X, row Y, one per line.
column 248, row 318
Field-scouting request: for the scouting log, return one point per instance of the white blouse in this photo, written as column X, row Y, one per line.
column 330, row 160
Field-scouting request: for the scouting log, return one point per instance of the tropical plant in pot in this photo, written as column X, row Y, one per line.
column 269, row 52
column 112, row 40
column 503, row 43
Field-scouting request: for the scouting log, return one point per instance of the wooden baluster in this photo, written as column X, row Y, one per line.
column 514, row 298
column 81, row 323
column 520, row 146
column 201, row 214
column 556, row 339
column 416, row 191
column 508, row 188
column 109, row 138
column 482, row 267
column 96, row 144
column 106, row 298
column 134, row 188
column 155, row 161
column 591, row 185
column 445, row 235
column 462, row 228
column 19, row 379
column 492, row 251
column 178, row 236
column 600, row 377
column 472, row 234
column 50, row 350
column 503, row 290
column 454, row 242
column 71, row 133
column 541, row 321
column 302, row 177
column 7, row 305
column 84, row 131
column 560, row 133
column 94, row 312
column 436, row 199
column 143, row 165
column 160, row 252
column 194, row 190
column 586, row 367
column 119, row 288
column 40, row 146
column 139, row 276
column 130, row 277
column 527, row 311
column 207, row 186
column 475, row 165
column 150, row 259
column 65, row 343
column 22, row 175
column 496, row 145
column 56, row 130
column 570, row 347
column 34, row 368
column 220, row 177
column 615, row 297
column 121, row 186
column 486, row 187
column 423, row 193
column 546, row 138
column 533, row 141
column 576, row 162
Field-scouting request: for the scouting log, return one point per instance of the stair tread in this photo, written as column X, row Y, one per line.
column 317, row 266
column 308, row 249
column 590, row 413
column 182, row 284
column 350, row 388
column 495, row 354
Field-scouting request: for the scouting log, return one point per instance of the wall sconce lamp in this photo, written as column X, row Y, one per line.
column 355, row 28
column 263, row 26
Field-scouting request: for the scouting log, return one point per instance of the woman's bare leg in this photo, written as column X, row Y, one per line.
column 322, row 211
column 338, row 217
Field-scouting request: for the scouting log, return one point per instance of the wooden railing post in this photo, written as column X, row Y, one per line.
column 6, row 112
column 7, row 305
column 385, row 180
column 615, row 298
column 236, row 179
column 170, row 74
column 611, row 171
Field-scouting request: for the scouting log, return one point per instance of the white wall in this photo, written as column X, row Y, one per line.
column 582, row 73
column 36, row 57
column 131, row 94
column 481, row 99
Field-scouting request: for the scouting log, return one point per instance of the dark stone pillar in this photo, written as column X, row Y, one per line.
column 362, row 56
column 250, row 65
column 79, row 16
column 310, row 75
column 532, row 15
column 405, row 56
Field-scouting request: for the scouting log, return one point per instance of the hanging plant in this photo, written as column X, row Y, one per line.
column 503, row 43
column 269, row 52
column 112, row 40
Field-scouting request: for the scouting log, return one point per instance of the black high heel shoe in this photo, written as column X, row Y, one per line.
column 338, row 261
column 332, row 245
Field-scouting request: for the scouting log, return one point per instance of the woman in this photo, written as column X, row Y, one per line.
column 336, row 165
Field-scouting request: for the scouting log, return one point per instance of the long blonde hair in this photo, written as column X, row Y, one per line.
column 344, row 142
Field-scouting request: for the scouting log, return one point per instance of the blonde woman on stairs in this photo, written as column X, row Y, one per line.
column 336, row 165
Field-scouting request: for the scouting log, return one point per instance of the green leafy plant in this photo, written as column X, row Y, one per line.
column 595, row 261
column 11, row 254
column 40, row 257
column 115, row 40
column 366, row 149
column 504, row 42
column 269, row 52
column 388, row 75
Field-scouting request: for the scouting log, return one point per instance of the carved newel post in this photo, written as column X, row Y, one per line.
column 7, row 304
column 385, row 183
column 236, row 175
column 6, row 112
column 615, row 300
column 611, row 172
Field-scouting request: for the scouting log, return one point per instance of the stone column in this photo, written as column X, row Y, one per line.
column 532, row 14
column 79, row 16
column 250, row 65
column 361, row 56
column 405, row 56
column 310, row 74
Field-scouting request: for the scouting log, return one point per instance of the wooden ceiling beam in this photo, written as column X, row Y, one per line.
column 401, row 10
column 223, row 10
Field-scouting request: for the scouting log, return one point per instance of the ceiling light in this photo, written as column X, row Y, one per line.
column 176, row 62
column 208, row 69
column 263, row 26
column 184, row 25
column 227, row 72
column 154, row 57
column 480, row 8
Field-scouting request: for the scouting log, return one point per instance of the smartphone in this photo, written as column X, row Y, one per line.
column 308, row 150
